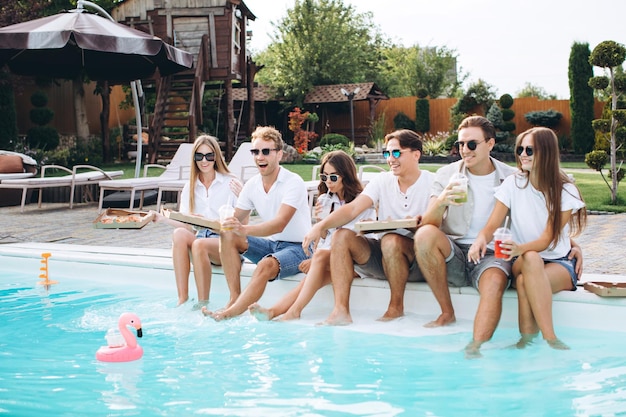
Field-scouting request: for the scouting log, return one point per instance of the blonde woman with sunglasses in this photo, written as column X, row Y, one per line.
column 210, row 186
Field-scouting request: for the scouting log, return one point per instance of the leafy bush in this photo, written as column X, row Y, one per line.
column 435, row 144
column 506, row 101
column 599, row 83
column 503, row 148
column 507, row 115
column 41, row 116
column 508, row 126
column 402, row 121
column 45, row 137
column 39, row 99
column 334, row 139
column 596, row 160
column 548, row 118
column 422, row 115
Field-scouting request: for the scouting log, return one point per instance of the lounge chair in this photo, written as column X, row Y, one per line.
column 242, row 165
column 177, row 169
column 72, row 180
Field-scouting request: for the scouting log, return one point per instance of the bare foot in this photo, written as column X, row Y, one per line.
column 181, row 301
column 557, row 344
column 391, row 314
column 337, row 319
column 199, row 305
column 443, row 320
column 472, row 350
column 260, row 313
column 525, row 340
column 289, row 316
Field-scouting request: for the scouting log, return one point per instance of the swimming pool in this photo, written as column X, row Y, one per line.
column 192, row 365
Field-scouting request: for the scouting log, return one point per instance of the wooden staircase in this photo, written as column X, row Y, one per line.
column 178, row 107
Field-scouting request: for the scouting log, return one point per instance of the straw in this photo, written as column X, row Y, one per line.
column 506, row 222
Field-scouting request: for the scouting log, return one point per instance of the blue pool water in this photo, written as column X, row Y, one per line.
column 242, row 367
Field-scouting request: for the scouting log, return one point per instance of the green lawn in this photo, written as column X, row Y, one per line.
column 594, row 190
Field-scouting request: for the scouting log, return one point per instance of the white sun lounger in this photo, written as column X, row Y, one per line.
column 176, row 170
column 72, row 180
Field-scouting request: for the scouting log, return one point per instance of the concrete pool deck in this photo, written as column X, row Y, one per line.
column 603, row 241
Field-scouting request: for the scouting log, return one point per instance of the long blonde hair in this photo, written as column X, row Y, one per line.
column 219, row 166
column 549, row 179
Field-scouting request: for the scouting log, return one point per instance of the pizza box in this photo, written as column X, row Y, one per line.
column 381, row 225
column 193, row 220
column 114, row 218
column 606, row 289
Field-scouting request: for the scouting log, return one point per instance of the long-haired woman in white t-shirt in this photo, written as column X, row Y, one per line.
column 546, row 208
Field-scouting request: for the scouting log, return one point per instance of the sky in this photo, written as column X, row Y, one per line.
column 505, row 43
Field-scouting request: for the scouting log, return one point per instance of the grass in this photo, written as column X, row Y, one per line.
column 593, row 188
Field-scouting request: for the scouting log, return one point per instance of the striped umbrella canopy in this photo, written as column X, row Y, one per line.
column 68, row 44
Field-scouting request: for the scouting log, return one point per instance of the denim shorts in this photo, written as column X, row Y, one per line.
column 288, row 254
column 460, row 270
column 205, row 233
column 569, row 264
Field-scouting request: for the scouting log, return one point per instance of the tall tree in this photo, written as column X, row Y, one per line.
column 581, row 98
column 319, row 42
column 610, row 55
column 530, row 90
column 404, row 71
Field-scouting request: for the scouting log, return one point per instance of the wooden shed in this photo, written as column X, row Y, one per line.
column 214, row 31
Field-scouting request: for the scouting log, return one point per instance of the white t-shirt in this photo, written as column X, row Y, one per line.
column 392, row 203
column 369, row 214
column 288, row 189
column 482, row 185
column 208, row 202
column 529, row 214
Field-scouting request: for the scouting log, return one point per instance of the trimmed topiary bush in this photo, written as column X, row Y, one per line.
column 402, row 121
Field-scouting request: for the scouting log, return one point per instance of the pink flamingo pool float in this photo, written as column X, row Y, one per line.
column 126, row 351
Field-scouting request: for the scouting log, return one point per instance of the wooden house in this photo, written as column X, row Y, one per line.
column 214, row 31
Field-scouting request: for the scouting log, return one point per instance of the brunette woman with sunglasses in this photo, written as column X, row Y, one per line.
column 210, row 186
column 546, row 208
column 338, row 180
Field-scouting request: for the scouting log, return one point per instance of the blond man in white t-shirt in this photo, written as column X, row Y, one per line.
column 281, row 201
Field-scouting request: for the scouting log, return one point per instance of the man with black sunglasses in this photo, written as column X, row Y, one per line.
column 401, row 193
column 281, row 201
column 449, row 227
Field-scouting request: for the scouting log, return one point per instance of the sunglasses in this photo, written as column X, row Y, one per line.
column 471, row 144
column 520, row 150
column 332, row 177
column 200, row 156
column 395, row 153
column 264, row 151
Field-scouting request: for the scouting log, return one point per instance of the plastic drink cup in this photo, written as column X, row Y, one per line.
column 501, row 235
column 325, row 202
column 460, row 187
column 226, row 211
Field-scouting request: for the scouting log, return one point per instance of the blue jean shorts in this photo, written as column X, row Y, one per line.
column 205, row 233
column 288, row 254
column 569, row 264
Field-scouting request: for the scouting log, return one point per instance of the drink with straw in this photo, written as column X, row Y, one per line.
column 501, row 235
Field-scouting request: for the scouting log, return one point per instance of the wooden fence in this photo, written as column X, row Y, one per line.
column 333, row 118
column 440, row 112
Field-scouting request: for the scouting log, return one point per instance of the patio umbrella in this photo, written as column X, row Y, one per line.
column 66, row 44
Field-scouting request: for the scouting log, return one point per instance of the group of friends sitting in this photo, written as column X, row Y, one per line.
column 452, row 244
